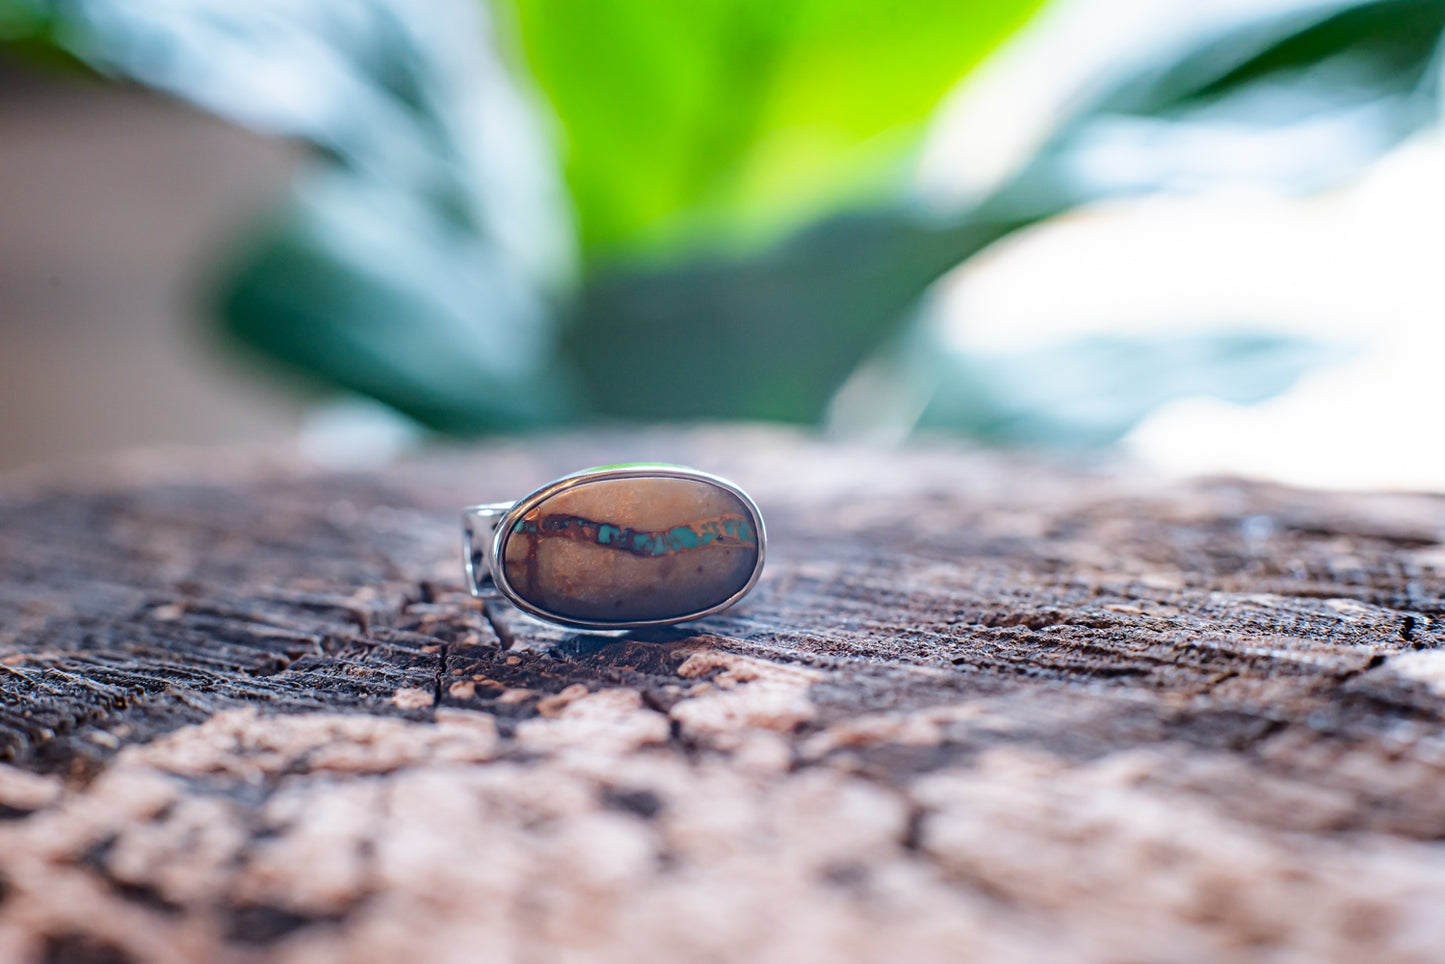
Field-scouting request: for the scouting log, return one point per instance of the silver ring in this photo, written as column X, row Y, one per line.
column 618, row 547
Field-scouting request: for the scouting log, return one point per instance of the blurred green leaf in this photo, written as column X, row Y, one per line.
column 23, row 19
column 27, row 35
column 724, row 120
column 1294, row 102
column 424, row 254
column 361, row 285
column 768, row 337
column 1087, row 391
column 420, row 257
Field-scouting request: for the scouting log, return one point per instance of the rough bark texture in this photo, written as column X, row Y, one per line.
column 977, row 709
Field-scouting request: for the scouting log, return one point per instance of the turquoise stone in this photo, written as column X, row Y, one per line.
column 632, row 550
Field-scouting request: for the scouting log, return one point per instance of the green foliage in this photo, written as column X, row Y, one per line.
column 770, row 336
column 422, row 259
column 420, row 255
column 722, row 120
column 359, row 285
column 23, row 19
column 1303, row 100
column 27, row 34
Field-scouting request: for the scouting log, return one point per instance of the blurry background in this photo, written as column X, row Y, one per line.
column 1207, row 233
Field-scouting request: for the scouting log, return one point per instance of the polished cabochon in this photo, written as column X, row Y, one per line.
column 629, row 545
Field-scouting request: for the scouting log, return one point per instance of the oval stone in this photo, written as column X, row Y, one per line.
column 631, row 550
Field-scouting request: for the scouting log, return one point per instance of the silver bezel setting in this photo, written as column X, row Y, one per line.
column 502, row 529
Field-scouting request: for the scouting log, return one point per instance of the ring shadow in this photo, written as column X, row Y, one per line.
column 583, row 645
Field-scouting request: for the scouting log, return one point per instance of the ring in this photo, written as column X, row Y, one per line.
column 618, row 547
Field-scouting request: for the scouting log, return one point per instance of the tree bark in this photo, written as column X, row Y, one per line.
column 978, row 708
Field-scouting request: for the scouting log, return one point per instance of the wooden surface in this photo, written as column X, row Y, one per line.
column 977, row 709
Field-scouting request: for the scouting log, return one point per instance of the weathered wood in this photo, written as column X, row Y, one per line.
column 978, row 709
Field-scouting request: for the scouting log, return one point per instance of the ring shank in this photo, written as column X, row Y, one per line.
column 479, row 525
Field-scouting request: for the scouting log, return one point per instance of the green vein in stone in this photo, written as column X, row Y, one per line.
column 641, row 542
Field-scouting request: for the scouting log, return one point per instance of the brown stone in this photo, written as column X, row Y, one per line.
column 632, row 550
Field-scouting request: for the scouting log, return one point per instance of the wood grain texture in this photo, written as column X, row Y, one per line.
column 978, row 708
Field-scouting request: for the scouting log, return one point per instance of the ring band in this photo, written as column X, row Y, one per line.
column 618, row 547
